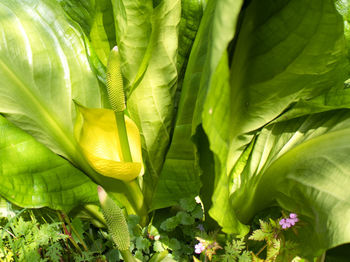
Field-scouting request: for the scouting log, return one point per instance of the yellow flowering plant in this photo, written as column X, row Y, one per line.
column 98, row 137
column 111, row 142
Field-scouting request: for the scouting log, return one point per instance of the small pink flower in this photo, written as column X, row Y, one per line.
column 293, row 215
column 284, row 223
column 199, row 248
column 289, row 222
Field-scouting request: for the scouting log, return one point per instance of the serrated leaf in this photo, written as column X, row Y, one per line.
column 197, row 212
column 185, row 218
column 188, row 204
column 157, row 246
column 78, row 229
column 258, row 235
column 245, row 257
column 143, row 244
column 170, row 224
column 265, row 226
column 273, row 249
column 174, row 244
column 54, row 252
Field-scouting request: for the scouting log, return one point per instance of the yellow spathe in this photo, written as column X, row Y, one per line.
column 97, row 135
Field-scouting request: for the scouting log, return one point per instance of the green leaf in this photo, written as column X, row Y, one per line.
column 197, row 213
column 32, row 176
column 158, row 247
column 334, row 99
column 191, row 15
column 148, row 41
column 188, row 204
column 143, row 244
column 343, row 7
column 185, row 218
column 180, row 174
column 43, row 66
column 174, row 244
column 303, row 164
column 258, row 235
column 54, row 252
column 96, row 20
column 170, row 223
column 273, row 249
column 133, row 29
column 78, row 232
column 254, row 83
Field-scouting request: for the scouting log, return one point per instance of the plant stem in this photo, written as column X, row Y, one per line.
column 261, row 250
column 127, row 256
column 94, row 211
column 137, row 200
column 135, row 195
column 321, row 258
column 71, row 239
column 66, row 218
column 123, row 136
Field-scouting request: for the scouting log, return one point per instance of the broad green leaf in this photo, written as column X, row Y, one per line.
column 33, row 176
column 133, row 23
column 293, row 50
column 343, row 7
column 149, row 36
column 43, row 66
column 302, row 165
column 191, row 15
column 331, row 100
column 180, row 174
column 96, row 19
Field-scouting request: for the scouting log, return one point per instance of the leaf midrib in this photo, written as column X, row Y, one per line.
column 54, row 126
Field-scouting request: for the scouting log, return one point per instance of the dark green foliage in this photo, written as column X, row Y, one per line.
column 170, row 236
column 31, row 241
column 39, row 235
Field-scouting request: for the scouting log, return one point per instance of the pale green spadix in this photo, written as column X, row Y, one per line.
column 115, row 220
column 116, row 97
column 115, row 86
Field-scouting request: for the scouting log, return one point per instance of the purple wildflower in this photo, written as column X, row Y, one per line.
column 201, row 227
column 284, row 223
column 289, row 222
column 293, row 215
column 199, row 248
column 293, row 218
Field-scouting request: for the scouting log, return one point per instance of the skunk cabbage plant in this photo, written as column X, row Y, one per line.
column 246, row 108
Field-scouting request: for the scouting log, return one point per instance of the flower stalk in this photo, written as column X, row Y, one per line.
column 123, row 136
column 116, row 95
